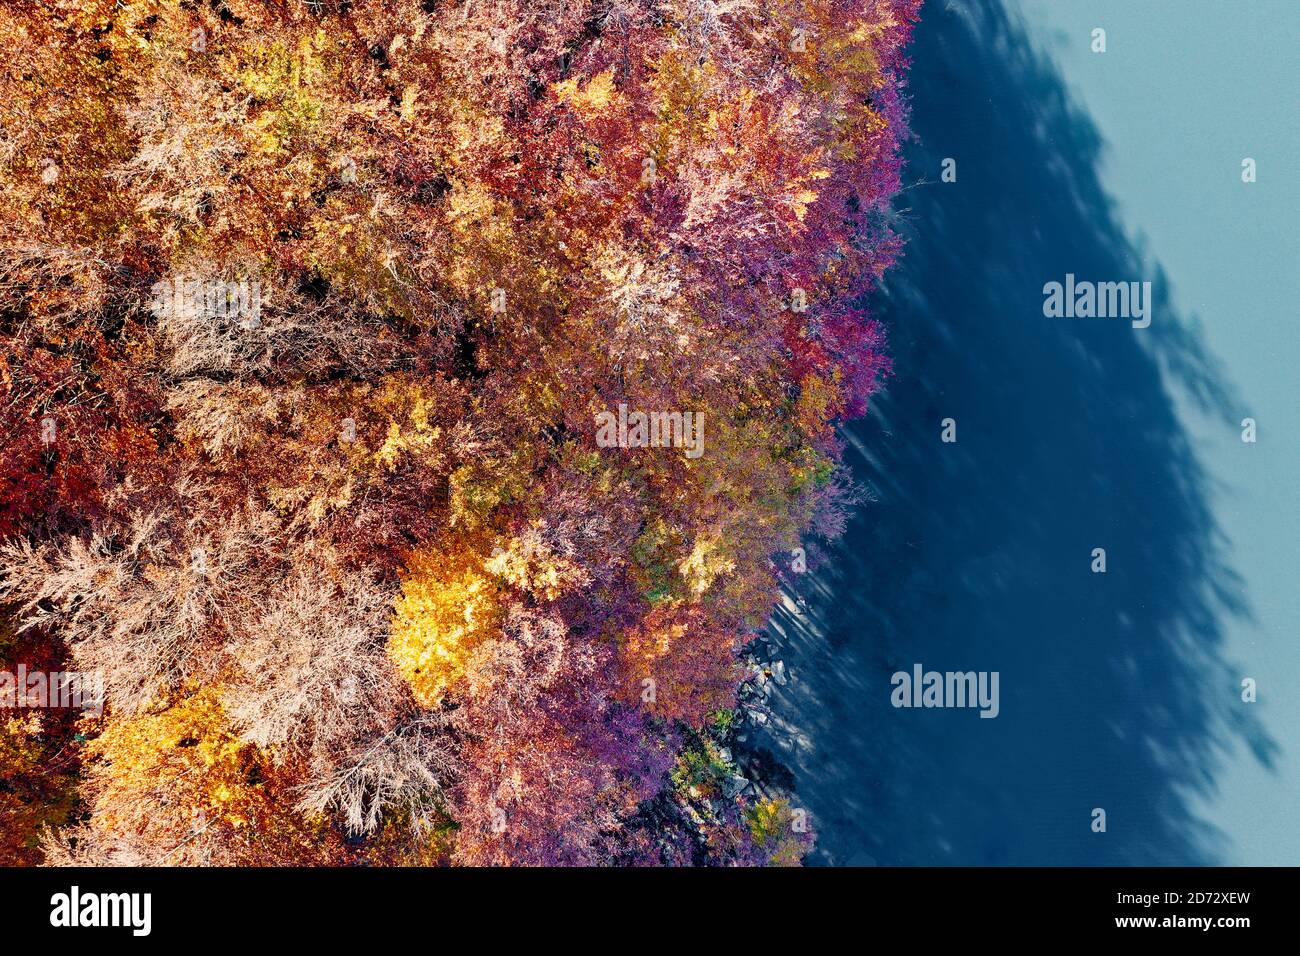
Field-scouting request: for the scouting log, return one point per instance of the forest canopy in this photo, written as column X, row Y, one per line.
column 310, row 313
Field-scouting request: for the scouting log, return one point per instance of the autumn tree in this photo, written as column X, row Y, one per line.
column 307, row 311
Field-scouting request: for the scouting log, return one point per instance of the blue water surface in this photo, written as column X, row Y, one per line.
column 1119, row 691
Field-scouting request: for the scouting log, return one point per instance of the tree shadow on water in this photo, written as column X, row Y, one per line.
column 976, row 555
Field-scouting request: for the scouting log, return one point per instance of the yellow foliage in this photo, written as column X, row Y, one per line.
column 18, row 750
column 281, row 79
column 476, row 489
column 186, row 754
column 410, row 100
column 531, row 566
column 772, row 822
column 802, row 199
column 819, row 401
column 707, row 561
column 448, row 606
column 420, row 438
column 482, row 227
column 597, row 96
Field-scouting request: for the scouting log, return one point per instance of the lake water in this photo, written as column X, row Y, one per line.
column 1120, row 691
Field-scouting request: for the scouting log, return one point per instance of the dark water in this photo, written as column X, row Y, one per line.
column 976, row 555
